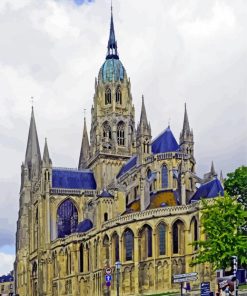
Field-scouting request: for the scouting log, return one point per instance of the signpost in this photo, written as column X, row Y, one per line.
column 184, row 277
column 108, row 278
column 205, row 289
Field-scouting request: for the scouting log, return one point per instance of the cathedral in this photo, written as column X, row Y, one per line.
column 134, row 199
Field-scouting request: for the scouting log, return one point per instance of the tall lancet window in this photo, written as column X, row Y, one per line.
column 107, row 131
column 164, row 176
column 128, row 244
column 107, row 96
column 67, row 218
column 118, row 96
column 120, row 133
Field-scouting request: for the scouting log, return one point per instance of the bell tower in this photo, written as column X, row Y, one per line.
column 112, row 135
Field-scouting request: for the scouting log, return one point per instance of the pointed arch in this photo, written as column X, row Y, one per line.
column 161, row 238
column 106, row 245
column 118, row 95
column 146, row 242
column 107, row 133
column 194, row 231
column 164, row 176
column 67, row 218
column 121, row 133
column 128, row 239
column 178, row 237
column 115, row 247
column 107, row 96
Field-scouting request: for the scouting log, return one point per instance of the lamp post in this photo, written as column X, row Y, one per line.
column 118, row 265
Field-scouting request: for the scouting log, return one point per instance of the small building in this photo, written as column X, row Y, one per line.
column 7, row 285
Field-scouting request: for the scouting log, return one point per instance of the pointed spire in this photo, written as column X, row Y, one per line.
column 112, row 43
column 212, row 170
column 33, row 156
column 46, row 156
column 84, row 155
column 143, row 119
column 221, row 177
column 186, row 126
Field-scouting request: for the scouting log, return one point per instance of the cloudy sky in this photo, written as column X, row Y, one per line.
column 173, row 50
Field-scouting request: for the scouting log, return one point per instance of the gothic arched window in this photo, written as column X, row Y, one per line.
column 178, row 237
column 164, row 176
column 128, row 244
column 162, row 238
column 118, row 96
column 67, row 218
column 107, row 131
column 146, row 242
column 194, row 230
column 81, row 257
column 107, row 96
column 120, row 133
column 106, row 243
column 115, row 248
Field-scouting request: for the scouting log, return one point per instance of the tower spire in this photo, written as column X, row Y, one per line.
column 84, row 155
column 46, row 156
column 143, row 118
column 33, row 156
column 186, row 126
column 112, row 43
column 212, row 170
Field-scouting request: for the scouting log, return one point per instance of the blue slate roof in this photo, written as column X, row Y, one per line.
column 105, row 193
column 129, row 165
column 73, row 179
column 6, row 278
column 84, row 225
column 165, row 142
column 208, row 190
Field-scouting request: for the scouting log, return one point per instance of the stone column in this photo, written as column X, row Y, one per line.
column 136, row 264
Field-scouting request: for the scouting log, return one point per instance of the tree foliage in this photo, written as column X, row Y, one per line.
column 222, row 219
column 236, row 184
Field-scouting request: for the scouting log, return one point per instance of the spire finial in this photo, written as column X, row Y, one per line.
column 112, row 43
column 32, row 102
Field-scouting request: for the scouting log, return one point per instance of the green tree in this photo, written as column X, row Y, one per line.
column 222, row 219
column 236, row 184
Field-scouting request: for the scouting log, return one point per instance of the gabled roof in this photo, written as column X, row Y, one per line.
column 84, row 225
column 105, row 193
column 6, row 278
column 208, row 190
column 129, row 165
column 165, row 142
column 73, row 179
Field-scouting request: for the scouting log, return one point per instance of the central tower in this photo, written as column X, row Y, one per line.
column 112, row 135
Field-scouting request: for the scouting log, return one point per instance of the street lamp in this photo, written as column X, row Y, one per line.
column 118, row 265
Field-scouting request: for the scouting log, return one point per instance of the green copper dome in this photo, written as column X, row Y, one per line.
column 112, row 71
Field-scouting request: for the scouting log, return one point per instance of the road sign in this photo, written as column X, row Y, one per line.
column 108, row 270
column 183, row 275
column 108, row 284
column 205, row 289
column 108, row 278
column 185, row 279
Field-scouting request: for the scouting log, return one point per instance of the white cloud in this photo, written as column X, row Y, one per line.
column 173, row 51
column 7, row 263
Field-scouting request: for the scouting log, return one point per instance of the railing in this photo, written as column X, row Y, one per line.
column 153, row 213
column 62, row 191
column 167, row 155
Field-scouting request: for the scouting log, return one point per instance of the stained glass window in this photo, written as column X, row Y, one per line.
column 164, row 174
column 175, row 237
column 162, row 238
column 67, row 218
column 129, row 244
column 81, row 257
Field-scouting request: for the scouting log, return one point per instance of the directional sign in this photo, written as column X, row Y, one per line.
column 108, row 270
column 183, row 275
column 205, row 289
column 185, row 279
column 108, row 278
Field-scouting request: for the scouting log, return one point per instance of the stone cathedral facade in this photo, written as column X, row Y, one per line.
column 133, row 198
